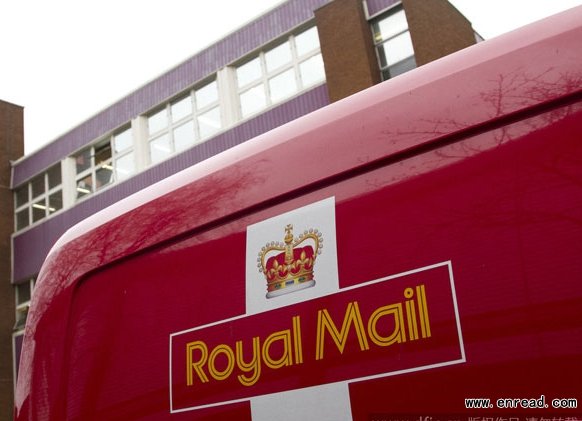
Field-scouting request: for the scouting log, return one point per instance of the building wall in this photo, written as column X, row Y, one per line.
column 347, row 48
column 437, row 29
column 32, row 245
column 271, row 25
column 11, row 148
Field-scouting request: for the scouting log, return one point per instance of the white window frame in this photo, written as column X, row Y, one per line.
column 193, row 117
column 92, row 169
column 263, row 80
column 23, row 306
column 378, row 44
column 108, row 164
column 32, row 203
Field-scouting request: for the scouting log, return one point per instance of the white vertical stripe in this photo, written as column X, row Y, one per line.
column 330, row 402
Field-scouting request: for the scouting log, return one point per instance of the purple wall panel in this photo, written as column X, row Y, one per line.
column 31, row 247
column 376, row 6
column 267, row 27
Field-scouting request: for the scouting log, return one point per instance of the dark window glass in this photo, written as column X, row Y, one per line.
column 54, row 176
column 37, row 186
column 83, row 160
column 102, row 153
column 55, row 202
column 21, row 195
column 22, row 219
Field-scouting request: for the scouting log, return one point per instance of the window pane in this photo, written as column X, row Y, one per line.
column 23, row 293
column 38, row 210
column 253, row 100
column 54, row 176
column 248, row 72
column 312, row 71
column 160, row 148
column 123, row 141
column 37, row 185
column 21, row 195
column 124, row 166
column 102, row 154
column 283, row 85
column 209, row 122
column 84, row 186
column 382, row 56
column 395, row 50
column 307, row 41
column 181, row 109
column 55, row 202
column 158, row 121
column 104, row 176
column 22, row 219
column 184, row 136
column 402, row 66
column 207, row 95
column 278, row 56
column 83, row 160
column 389, row 26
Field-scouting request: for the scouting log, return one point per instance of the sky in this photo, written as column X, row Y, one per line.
column 66, row 60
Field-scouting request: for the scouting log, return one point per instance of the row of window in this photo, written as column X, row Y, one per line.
column 184, row 122
column 267, row 78
column 275, row 75
column 38, row 198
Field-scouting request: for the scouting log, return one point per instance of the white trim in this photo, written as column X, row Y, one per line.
column 226, row 80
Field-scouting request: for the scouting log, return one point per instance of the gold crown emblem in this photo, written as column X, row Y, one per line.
column 289, row 266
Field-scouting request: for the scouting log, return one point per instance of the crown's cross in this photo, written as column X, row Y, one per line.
column 289, row 244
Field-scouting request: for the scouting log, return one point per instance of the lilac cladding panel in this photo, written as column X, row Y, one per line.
column 377, row 6
column 264, row 29
column 31, row 247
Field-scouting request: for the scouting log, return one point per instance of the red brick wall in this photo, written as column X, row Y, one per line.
column 11, row 148
column 347, row 48
column 436, row 28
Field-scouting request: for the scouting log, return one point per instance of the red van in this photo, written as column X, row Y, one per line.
column 413, row 252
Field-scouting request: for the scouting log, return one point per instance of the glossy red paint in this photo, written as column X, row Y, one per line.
column 475, row 159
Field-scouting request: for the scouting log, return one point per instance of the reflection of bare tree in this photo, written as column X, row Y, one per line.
column 189, row 210
column 510, row 99
column 526, row 176
column 510, row 93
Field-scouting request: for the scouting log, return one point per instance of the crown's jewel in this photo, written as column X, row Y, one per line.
column 289, row 266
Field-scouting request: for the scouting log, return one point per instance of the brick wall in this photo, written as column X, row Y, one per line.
column 11, row 148
column 347, row 48
column 436, row 29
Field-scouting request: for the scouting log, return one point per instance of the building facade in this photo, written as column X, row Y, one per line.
column 11, row 148
column 294, row 59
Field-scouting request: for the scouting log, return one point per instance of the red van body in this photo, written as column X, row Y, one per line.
column 413, row 252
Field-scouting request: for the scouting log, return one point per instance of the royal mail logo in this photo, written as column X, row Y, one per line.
column 300, row 329
column 288, row 266
column 394, row 325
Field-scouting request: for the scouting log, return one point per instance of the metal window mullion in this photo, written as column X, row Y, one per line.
column 265, row 79
column 29, row 204
column 295, row 63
